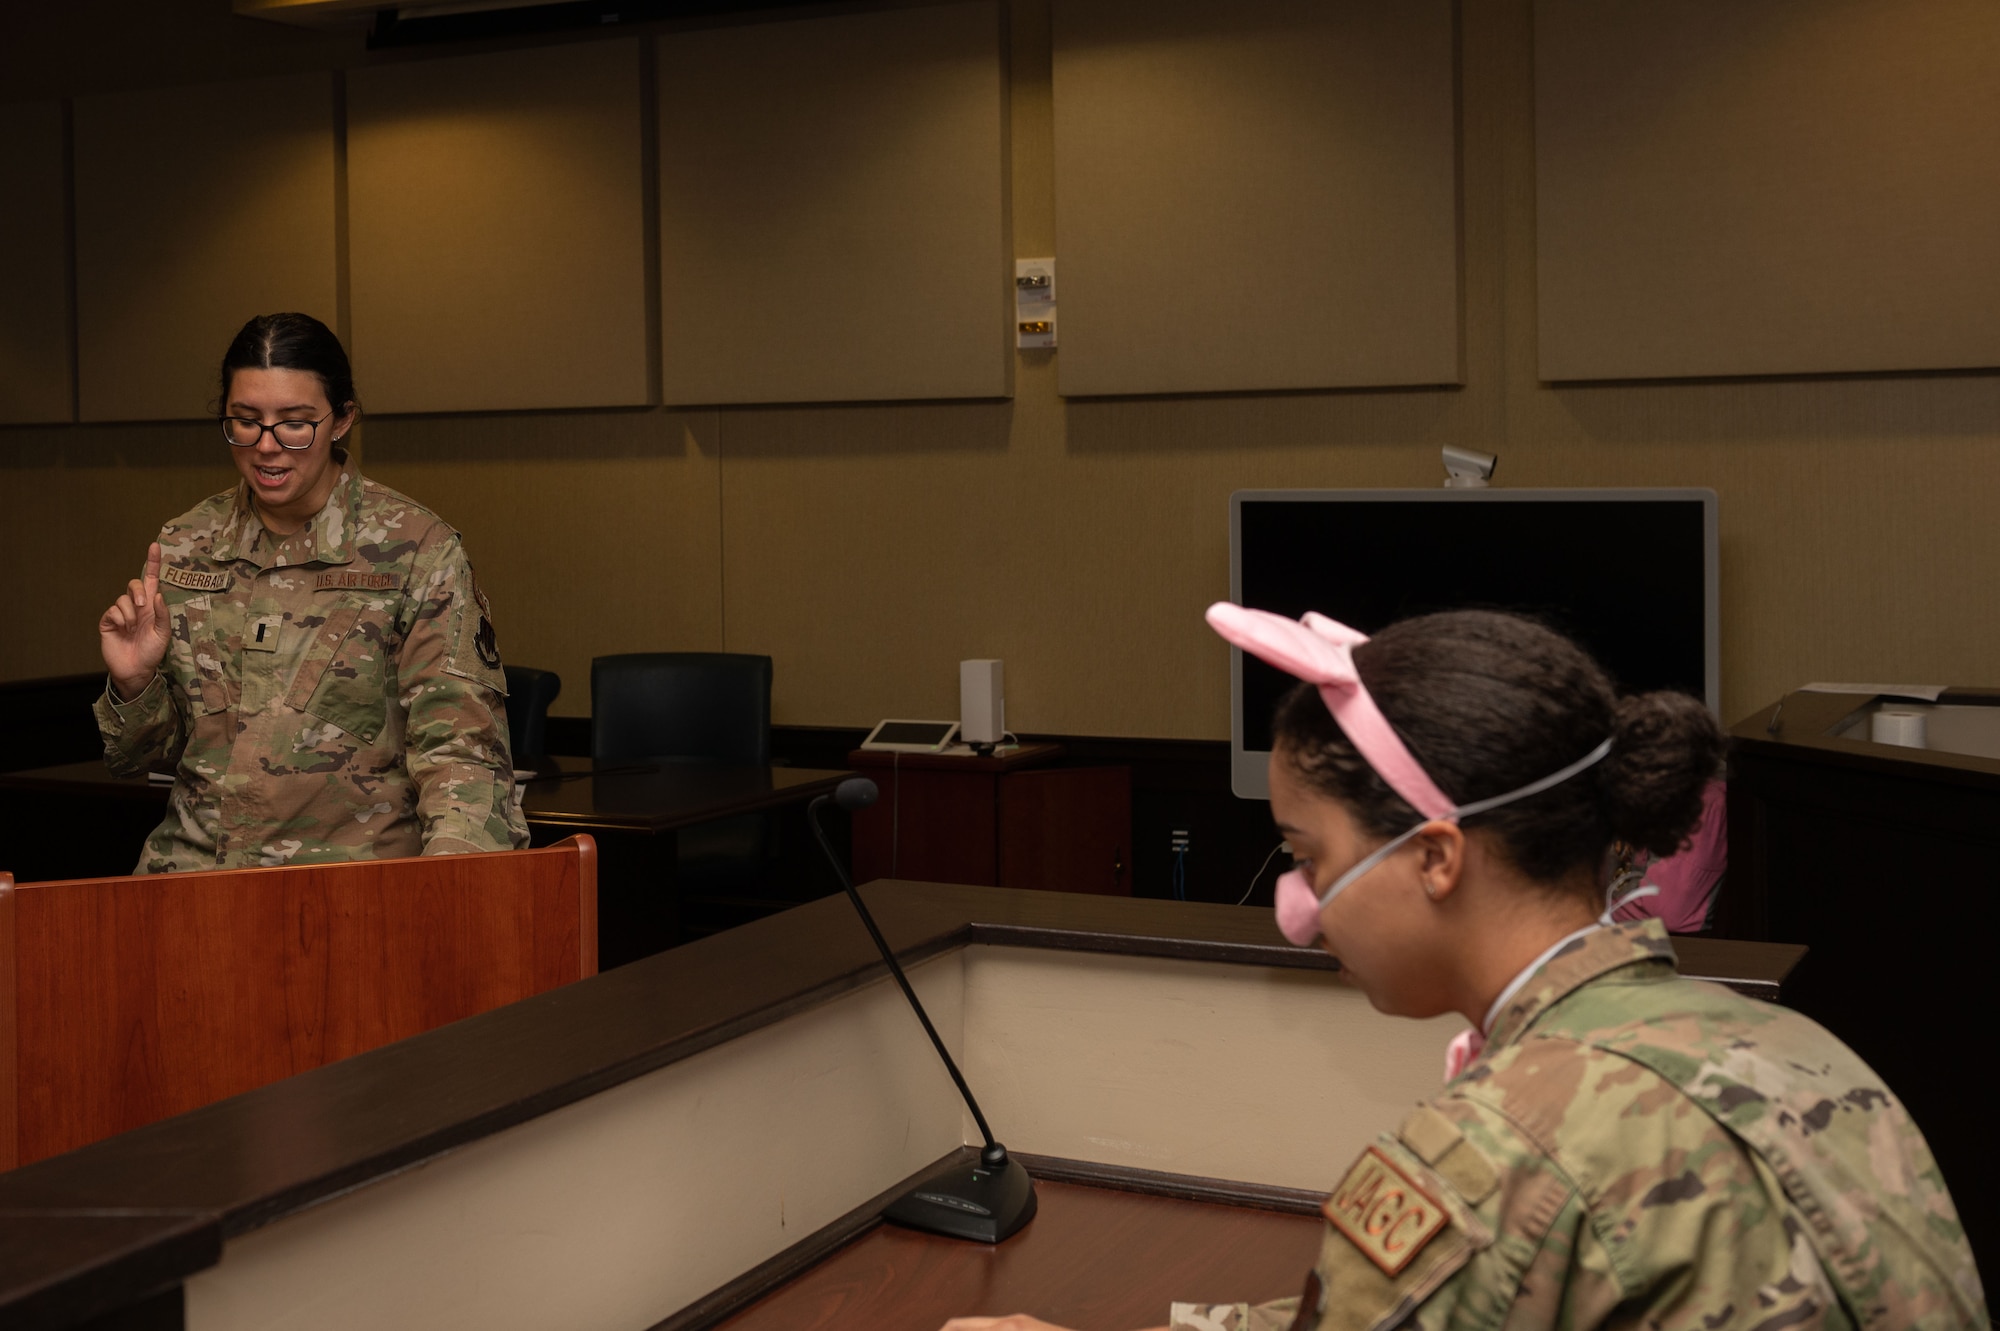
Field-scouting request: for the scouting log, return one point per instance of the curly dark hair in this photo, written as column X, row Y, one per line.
column 1489, row 702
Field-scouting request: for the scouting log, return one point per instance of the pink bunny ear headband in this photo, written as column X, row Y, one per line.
column 1321, row 651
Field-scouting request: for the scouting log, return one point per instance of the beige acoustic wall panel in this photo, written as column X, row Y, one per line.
column 1785, row 187
column 196, row 209
column 34, row 266
column 1260, row 195
column 832, row 218
column 497, row 231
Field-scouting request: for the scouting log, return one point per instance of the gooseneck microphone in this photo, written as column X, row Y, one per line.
column 987, row 1201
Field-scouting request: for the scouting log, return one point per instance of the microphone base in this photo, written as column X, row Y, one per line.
column 969, row 1201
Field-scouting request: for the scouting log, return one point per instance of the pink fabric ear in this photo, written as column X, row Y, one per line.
column 1332, row 630
column 1320, row 651
column 1313, row 654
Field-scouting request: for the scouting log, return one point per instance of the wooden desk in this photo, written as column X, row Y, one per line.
column 89, row 780
column 75, row 820
column 634, row 808
column 1011, row 819
column 665, row 1144
column 1091, row 1257
column 49, row 720
column 633, row 795
column 657, row 796
column 68, row 821
column 1886, row 862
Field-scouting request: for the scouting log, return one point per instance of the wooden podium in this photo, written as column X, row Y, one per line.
column 1009, row 820
column 128, row 1000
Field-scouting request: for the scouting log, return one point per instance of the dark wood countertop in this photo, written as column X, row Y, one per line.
column 90, row 777
column 632, row 794
column 100, row 1227
column 1800, row 726
column 1011, row 759
column 661, row 794
column 1090, row 1257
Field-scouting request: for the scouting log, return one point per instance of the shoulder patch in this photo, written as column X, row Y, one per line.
column 486, row 645
column 1383, row 1212
column 194, row 580
column 368, row 581
column 485, row 642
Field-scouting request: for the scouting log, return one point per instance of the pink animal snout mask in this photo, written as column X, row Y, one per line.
column 1298, row 909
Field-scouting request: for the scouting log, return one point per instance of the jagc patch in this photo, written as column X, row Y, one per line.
column 374, row 582
column 1383, row 1212
column 194, row 580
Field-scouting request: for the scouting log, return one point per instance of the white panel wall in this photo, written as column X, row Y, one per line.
column 34, row 266
column 832, row 219
column 196, row 209
column 1259, row 195
column 1786, row 187
column 497, row 231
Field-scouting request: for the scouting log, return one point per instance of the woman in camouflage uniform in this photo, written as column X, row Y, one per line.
column 1614, row 1145
column 308, row 652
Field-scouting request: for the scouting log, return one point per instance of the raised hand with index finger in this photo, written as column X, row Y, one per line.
column 133, row 633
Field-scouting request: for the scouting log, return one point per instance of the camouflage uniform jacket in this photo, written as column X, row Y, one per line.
column 1637, row 1149
column 330, row 695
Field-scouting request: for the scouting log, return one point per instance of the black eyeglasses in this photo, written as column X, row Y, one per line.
column 297, row 436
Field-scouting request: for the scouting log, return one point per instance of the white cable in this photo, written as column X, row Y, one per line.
column 1260, row 873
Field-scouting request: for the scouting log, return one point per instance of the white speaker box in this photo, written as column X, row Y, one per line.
column 982, row 703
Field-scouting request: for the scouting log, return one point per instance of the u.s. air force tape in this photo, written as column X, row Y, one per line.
column 368, row 581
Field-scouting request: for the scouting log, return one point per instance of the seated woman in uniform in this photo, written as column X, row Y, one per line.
column 309, row 651
column 1614, row 1145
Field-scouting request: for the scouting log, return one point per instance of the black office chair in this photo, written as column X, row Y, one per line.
column 707, row 706
column 701, row 707
column 529, row 693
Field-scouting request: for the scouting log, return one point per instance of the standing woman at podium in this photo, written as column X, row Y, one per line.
column 1613, row 1145
column 307, row 652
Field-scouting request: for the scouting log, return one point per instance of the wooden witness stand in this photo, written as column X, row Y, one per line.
column 128, row 1000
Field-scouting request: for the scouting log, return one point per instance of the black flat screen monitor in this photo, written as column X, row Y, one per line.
column 1631, row 574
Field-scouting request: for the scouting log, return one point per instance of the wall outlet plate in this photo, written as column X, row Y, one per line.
column 1034, row 303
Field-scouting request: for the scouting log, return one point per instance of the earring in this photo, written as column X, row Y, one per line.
column 1430, row 890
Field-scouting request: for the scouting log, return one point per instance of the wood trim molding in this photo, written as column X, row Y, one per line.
column 1183, row 1187
column 10, row 1050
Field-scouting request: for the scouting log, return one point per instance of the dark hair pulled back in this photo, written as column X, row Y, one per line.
column 291, row 342
column 1489, row 702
